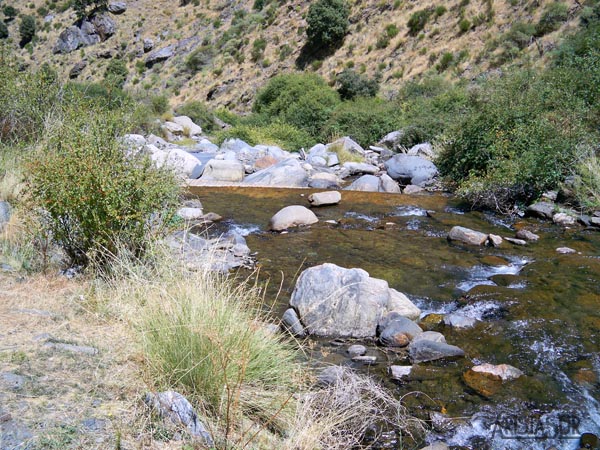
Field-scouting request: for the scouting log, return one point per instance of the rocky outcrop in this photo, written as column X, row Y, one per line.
column 117, row 7
column 160, row 55
column 77, row 69
column 89, row 32
column 292, row 216
column 411, row 169
column 334, row 301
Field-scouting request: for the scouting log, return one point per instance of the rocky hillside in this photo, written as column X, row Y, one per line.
column 223, row 51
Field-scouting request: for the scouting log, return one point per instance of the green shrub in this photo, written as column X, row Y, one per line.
column 199, row 58
column 553, row 15
column 81, row 6
column 352, row 84
column 277, row 133
column 95, row 196
column 392, row 30
column 111, row 96
column 328, row 22
column 302, row 100
column 199, row 113
column 10, row 12
column 440, row 10
column 445, row 61
column 366, row 120
column 521, row 139
column 418, row 20
column 116, row 73
column 27, row 30
column 159, row 104
column 464, row 25
column 258, row 49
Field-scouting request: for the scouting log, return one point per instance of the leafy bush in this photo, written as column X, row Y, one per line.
column 10, row 12
column 352, row 84
column 366, row 120
column 553, row 15
column 116, row 73
column 521, row 138
column 93, row 194
column 464, row 25
column 199, row 58
column 27, row 30
column 418, row 20
column 327, row 23
column 199, row 113
column 302, row 100
column 81, row 6
column 159, row 104
column 258, row 49
column 277, row 133
column 445, row 61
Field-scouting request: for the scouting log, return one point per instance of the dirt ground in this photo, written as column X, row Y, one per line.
column 70, row 377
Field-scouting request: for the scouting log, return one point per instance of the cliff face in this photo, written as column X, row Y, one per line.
column 223, row 51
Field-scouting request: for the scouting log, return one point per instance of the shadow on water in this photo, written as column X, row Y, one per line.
column 535, row 309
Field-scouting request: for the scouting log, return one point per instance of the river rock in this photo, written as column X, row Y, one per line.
column 189, row 127
column 431, row 320
column 399, row 332
column 504, row 371
column 400, row 304
column 366, row 183
column 117, row 7
column 365, row 359
column 347, row 144
column 324, row 180
column 291, row 323
column 287, row 173
column 183, row 162
column 515, row 241
column 494, row 240
column 5, row 213
column 175, row 407
column 400, row 372
column 190, row 213
column 424, row 150
column 265, row 162
column 324, row 198
column 411, row 169
column 565, row 250
column 356, row 350
column 393, row 141
column 455, row 320
column 353, row 168
column 173, row 128
column 563, row 219
column 338, row 302
column 387, row 184
column 436, row 446
column 527, row 235
column 412, row 189
column 223, row 170
column 292, row 216
column 331, row 375
column 430, row 336
column 543, row 210
column 424, row 350
column 467, row 236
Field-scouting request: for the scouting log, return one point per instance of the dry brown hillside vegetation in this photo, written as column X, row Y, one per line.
column 223, row 51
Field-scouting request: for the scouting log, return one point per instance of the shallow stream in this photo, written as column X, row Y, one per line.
column 537, row 310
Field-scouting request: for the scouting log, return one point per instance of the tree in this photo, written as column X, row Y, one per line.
column 352, row 84
column 27, row 30
column 9, row 12
column 3, row 31
column 327, row 23
column 81, row 6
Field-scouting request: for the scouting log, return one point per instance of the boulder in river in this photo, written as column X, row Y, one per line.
column 292, row 216
column 324, row 198
column 527, row 235
column 424, row 350
column 411, row 169
column 467, row 236
column 223, row 170
column 287, row 173
column 291, row 323
column 564, row 219
column 339, row 302
column 400, row 372
column 456, row 320
column 487, row 379
column 430, row 336
column 543, row 210
column 398, row 332
column 366, row 183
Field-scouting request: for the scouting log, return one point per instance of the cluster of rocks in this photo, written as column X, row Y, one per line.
column 235, row 161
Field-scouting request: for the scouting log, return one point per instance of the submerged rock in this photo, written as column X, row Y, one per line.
column 487, row 379
column 339, row 302
column 564, row 219
column 424, row 350
column 430, row 336
column 292, row 216
column 356, row 350
column 527, row 235
column 565, row 250
column 400, row 372
column 455, row 320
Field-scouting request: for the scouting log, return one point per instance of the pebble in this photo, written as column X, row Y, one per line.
column 565, row 250
column 356, row 350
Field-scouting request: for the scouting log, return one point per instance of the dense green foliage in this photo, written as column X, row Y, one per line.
column 3, row 30
column 96, row 197
column 116, row 73
column 83, row 7
column 327, row 23
column 352, row 84
column 302, row 100
column 10, row 12
column 277, row 133
column 418, row 20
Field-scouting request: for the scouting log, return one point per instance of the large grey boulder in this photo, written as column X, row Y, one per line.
column 287, row 173
column 223, row 170
column 335, row 301
column 160, row 55
column 292, row 216
column 184, row 163
column 74, row 37
column 392, row 141
column 178, row 410
column 105, row 27
column 387, row 184
column 411, row 169
column 189, row 127
column 425, row 350
column 467, row 236
column 117, row 7
column 348, row 145
column 353, row 168
column 543, row 210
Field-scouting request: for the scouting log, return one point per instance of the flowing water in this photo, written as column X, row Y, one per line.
column 536, row 309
